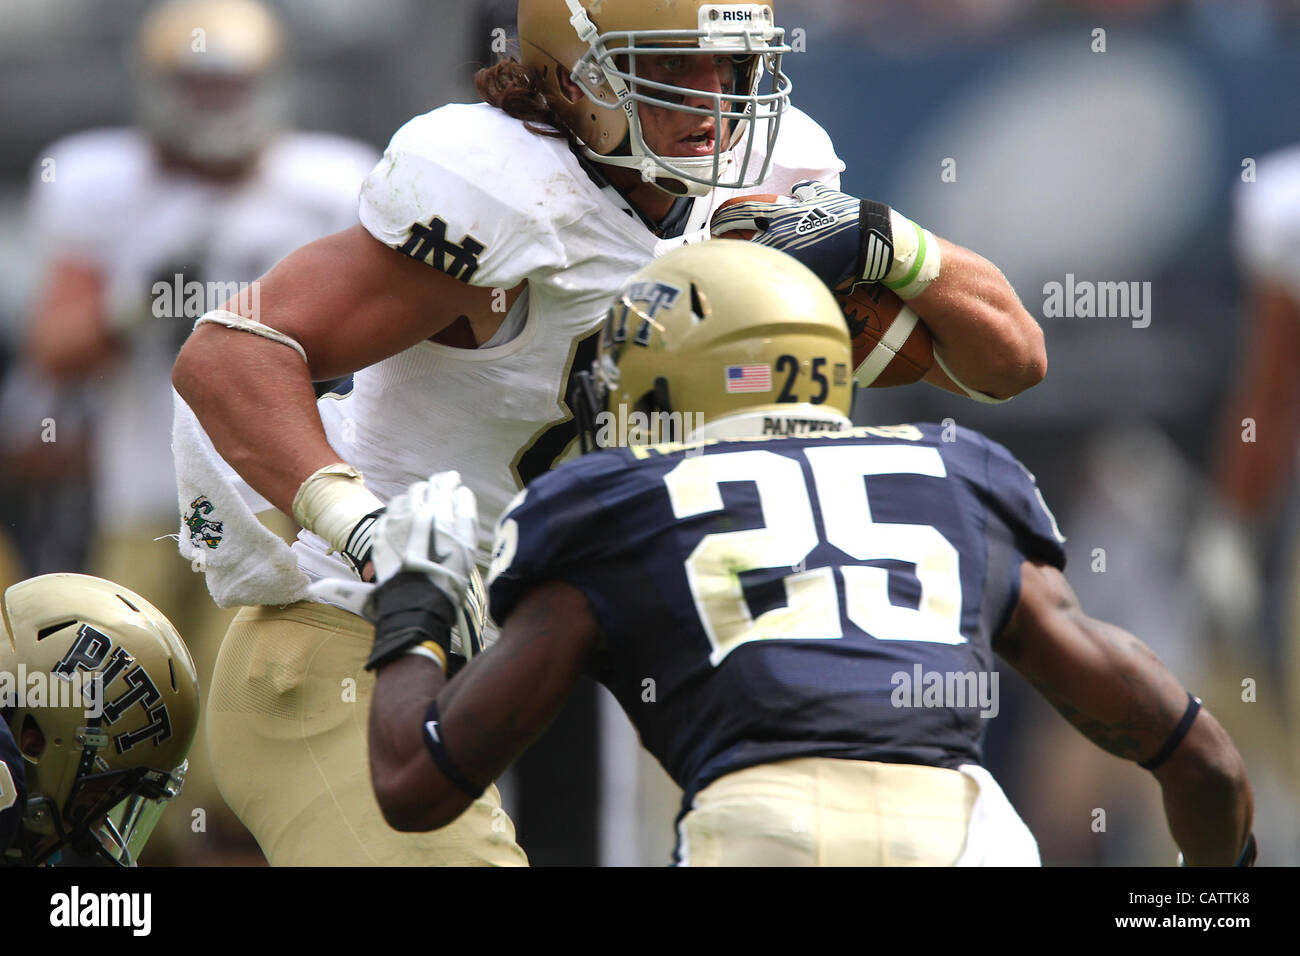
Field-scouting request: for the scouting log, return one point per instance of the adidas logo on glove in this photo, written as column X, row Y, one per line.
column 817, row 218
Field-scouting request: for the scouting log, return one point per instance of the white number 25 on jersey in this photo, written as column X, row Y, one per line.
column 812, row 608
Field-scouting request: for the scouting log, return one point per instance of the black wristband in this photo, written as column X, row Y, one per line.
column 410, row 609
column 875, row 241
column 1184, row 725
column 433, row 743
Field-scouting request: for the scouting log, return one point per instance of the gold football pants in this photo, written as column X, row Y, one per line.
column 287, row 729
column 817, row 811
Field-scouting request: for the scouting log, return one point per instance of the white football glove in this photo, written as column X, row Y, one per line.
column 432, row 530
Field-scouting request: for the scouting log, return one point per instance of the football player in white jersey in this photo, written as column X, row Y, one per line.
column 139, row 227
column 492, row 238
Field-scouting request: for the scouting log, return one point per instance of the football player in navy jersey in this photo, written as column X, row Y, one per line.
column 801, row 628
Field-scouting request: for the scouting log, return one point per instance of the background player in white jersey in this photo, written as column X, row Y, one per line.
column 492, row 237
column 761, row 606
column 141, row 229
column 1259, row 441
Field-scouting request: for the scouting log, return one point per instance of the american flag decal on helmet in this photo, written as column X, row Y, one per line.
column 749, row 378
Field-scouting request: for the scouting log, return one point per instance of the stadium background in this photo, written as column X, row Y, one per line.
column 1108, row 166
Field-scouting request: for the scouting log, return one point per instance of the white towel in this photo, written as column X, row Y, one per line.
column 996, row 836
column 244, row 563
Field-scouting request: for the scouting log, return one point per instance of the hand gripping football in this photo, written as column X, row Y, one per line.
column 891, row 345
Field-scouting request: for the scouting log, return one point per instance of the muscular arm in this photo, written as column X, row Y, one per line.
column 350, row 301
column 984, row 334
column 490, row 713
column 1119, row 695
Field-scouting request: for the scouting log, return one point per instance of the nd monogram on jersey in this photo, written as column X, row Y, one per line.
column 757, row 598
column 472, row 192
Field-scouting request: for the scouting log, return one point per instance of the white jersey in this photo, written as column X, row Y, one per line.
column 474, row 193
column 1268, row 221
column 101, row 198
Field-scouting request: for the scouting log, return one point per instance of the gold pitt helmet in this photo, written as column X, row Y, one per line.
column 208, row 79
column 721, row 330
column 114, row 722
column 596, row 43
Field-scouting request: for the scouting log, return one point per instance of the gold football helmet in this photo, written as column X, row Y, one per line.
column 720, row 332
column 106, row 739
column 208, row 79
column 596, row 43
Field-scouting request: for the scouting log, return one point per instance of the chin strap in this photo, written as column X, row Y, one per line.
column 581, row 22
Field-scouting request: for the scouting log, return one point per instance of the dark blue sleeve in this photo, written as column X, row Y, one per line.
column 1017, row 501
column 13, row 791
column 552, row 531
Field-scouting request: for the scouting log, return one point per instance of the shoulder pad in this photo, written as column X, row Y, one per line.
column 474, row 193
column 803, row 150
column 1014, row 494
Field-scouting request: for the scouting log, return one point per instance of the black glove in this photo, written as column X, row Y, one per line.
column 409, row 609
column 843, row 239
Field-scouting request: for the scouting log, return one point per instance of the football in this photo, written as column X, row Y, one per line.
column 891, row 346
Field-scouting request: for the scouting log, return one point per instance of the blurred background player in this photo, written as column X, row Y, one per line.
column 85, row 776
column 758, row 633
column 492, row 237
column 1258, row 522
column 142, row 230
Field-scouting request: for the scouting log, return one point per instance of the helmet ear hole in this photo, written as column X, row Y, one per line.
column 31, row 738
column 698, row 308
column 45, row 632
column 661, row 398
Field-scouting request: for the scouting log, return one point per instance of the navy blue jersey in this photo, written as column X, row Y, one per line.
column 13, row 793
column 778, row 598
